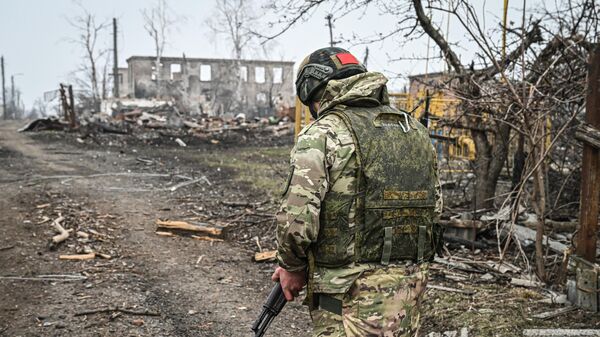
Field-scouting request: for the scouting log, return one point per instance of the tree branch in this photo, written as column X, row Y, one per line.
column 436, row 36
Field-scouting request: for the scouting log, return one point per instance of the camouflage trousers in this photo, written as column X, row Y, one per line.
column 382, row 302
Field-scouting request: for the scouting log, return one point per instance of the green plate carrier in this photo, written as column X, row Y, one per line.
column 395, row 200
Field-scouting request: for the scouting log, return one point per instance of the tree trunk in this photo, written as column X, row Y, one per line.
column 488, row 163
column 518, row 163
column 539, row 192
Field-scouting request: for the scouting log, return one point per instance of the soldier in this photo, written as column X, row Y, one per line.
column 358, row 218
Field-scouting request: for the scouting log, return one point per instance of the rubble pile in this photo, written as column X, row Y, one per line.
column 152, row 119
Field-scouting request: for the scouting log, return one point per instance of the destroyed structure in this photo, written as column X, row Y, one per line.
column 429, row 100
column 211, row 86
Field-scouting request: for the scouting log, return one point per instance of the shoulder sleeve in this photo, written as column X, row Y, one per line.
column 309, row 181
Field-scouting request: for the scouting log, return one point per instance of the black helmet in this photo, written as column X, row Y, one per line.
column 321, row 66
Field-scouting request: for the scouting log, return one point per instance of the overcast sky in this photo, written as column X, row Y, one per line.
column 34, row 38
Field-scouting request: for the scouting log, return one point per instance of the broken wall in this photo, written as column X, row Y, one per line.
column 214, row 86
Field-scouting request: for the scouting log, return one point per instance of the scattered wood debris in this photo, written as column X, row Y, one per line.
column 554, row 313
column 104, row 256
column 78, row 257
column 561, row 332
column 191, row 182
column 453, row 290
column 162, row 119
column 527, row 237
column 82, row 235
column 137, row 322
column 49, row 123
column 526, row 283
column 51, row 278
column 243, row 204
column 182, row 226
column 121, row 310
column 265, row 256
column 206, row 238
column 63, row 233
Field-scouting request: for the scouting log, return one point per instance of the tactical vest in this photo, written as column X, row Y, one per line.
column 395, row 198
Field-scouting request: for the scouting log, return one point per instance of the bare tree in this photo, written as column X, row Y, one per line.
column 534, row 91
column 89, row 35
column 106, row 85
column 234, row 20
column 491, row 137
column 40, row 108
column 157, row 22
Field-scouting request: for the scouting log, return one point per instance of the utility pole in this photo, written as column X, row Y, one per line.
column 115, row 61
column 3, row 89
column 72, row 118
column 590, row 171
column 17, row 111
column 12, row 94
column 328, row 18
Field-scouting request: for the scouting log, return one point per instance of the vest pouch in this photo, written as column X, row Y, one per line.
column 335, row 243
column 392, row 234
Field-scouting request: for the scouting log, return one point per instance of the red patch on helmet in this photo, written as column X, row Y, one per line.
column 347, row 58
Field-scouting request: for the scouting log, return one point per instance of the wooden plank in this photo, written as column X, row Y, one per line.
column 590, row 172
column 206, row 238
column 265, row 256
column 78, row 257
column 185, row 226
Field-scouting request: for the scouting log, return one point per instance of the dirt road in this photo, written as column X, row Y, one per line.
column 195, row 288
column 113, row 188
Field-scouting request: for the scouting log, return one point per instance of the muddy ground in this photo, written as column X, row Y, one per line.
column 115, row 188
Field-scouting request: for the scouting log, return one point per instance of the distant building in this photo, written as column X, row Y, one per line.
column 124, row 90
column 434, row 92
column 211, row 85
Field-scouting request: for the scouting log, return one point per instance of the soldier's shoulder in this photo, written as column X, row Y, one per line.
column 328, row 126
column 324, row 125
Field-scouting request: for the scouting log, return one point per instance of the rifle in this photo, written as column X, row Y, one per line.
column 271, row 308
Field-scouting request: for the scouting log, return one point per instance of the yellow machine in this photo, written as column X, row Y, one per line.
column 449, row 142
column 302, row 117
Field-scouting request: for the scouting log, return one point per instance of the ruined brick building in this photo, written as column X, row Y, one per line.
column 212, row 86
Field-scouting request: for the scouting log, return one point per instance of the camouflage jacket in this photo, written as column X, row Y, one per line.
column 324, row 158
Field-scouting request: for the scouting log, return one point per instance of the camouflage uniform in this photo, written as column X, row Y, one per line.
column 376, row 300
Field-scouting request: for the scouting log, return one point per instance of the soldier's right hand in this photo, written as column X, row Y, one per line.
column 291, row 282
